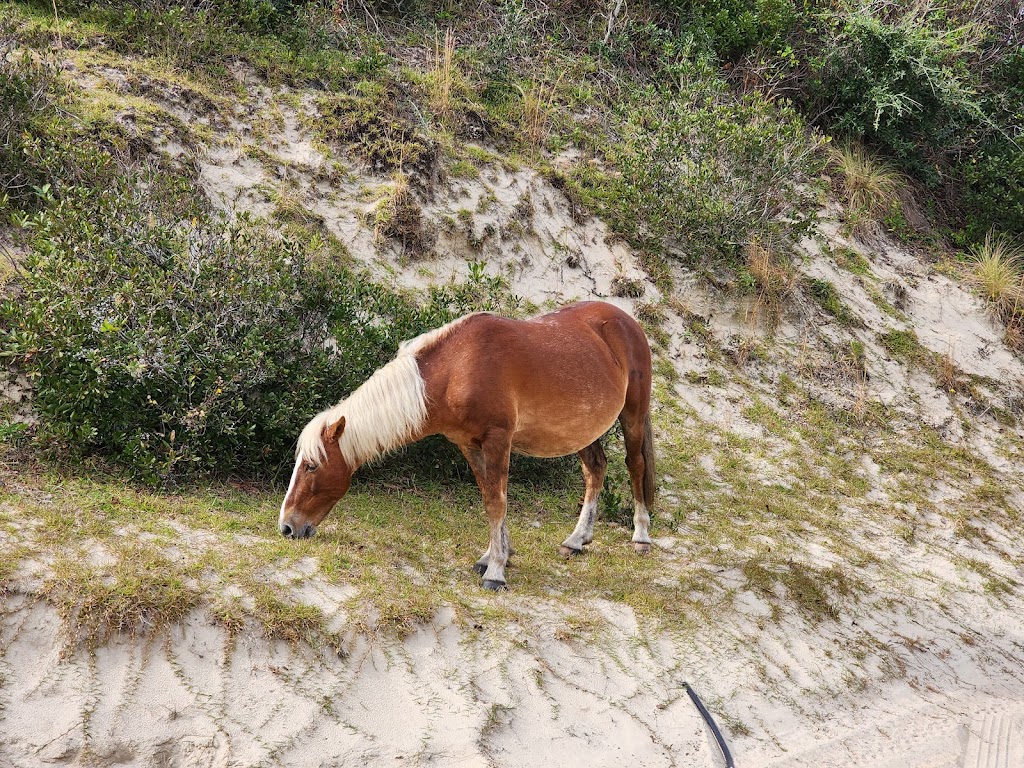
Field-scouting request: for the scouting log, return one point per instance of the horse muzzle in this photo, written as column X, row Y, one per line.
column 297, row 531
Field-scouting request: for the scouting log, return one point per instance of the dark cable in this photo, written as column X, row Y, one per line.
column 714, row 727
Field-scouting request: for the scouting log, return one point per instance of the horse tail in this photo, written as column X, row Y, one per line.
column 647, row 449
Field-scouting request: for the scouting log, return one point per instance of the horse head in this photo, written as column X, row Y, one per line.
column 318, row 483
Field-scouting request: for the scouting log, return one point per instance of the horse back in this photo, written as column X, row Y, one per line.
column 557, row 382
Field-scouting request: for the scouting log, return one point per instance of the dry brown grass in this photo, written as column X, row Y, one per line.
column 775, row 282
column 443, row 76
column 946, row 372
column 538, row 101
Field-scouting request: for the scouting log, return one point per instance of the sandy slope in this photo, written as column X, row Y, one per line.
column 937, row 688
column 444, row 696
column 926, row 671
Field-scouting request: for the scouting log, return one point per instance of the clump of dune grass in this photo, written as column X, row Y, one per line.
column 774, row 280
column 996, row 273
column 870, row 185
column 538, row 104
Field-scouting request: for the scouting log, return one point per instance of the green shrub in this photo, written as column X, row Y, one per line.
column 902, row 345
column 187, row 346
column 703, row 172
column 41, row 151
column 29, row 93
column 994, row 170
column 825, row 294
column 733, row 27
column 902, row 82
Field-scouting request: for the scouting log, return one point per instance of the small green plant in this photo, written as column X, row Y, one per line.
column 399, row 217
column 826, row 295
column 903, row 345
column 615, row 503
column 627, row 287
column 463, row 169
column 368, row 122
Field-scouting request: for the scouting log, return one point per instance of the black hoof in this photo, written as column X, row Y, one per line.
column 495, row 586
column 480, row 568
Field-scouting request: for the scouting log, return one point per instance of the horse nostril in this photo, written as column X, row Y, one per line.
column 286, row 530
column 307, row 531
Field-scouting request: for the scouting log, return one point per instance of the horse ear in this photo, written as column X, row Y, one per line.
column 333, row 431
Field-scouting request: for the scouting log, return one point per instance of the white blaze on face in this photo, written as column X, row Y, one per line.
column 291, row 485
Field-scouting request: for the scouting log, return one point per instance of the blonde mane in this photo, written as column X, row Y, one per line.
column 382, row 414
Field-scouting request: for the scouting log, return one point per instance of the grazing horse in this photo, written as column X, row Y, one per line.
column 544, row 387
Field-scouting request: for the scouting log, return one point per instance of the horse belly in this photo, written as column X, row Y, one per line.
column 560, row 434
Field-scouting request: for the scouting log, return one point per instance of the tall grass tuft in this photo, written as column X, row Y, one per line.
column 870, row 185
column 443, row 76
column 538, row 101
column 773, row 279
column 996, row 272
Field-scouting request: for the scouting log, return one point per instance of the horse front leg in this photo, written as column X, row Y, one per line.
column 489, row 463
column 481, row 565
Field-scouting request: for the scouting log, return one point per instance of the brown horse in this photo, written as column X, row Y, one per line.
column 544, row 387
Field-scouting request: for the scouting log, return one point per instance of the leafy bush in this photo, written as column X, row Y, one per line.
column 179, row 347
column 173, row 347
column 704, row 172
column 936, row 88
column 994, row 171
column 732, row 27
column 902, row 83
column 40, row 153
column 29, row 91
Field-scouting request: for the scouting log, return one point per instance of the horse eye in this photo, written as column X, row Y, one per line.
column 311, row 467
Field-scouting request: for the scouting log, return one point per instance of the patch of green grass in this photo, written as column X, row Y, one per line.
column 139, row 592
column 293, row 621
column 826, row 295
column 463, row 169
column 817, row 593
column 882, row 303
column 852, row 261
column 767, row 417
column 903, row 345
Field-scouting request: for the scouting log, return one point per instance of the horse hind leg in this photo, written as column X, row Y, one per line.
column 594, row 465
column 639, row 439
